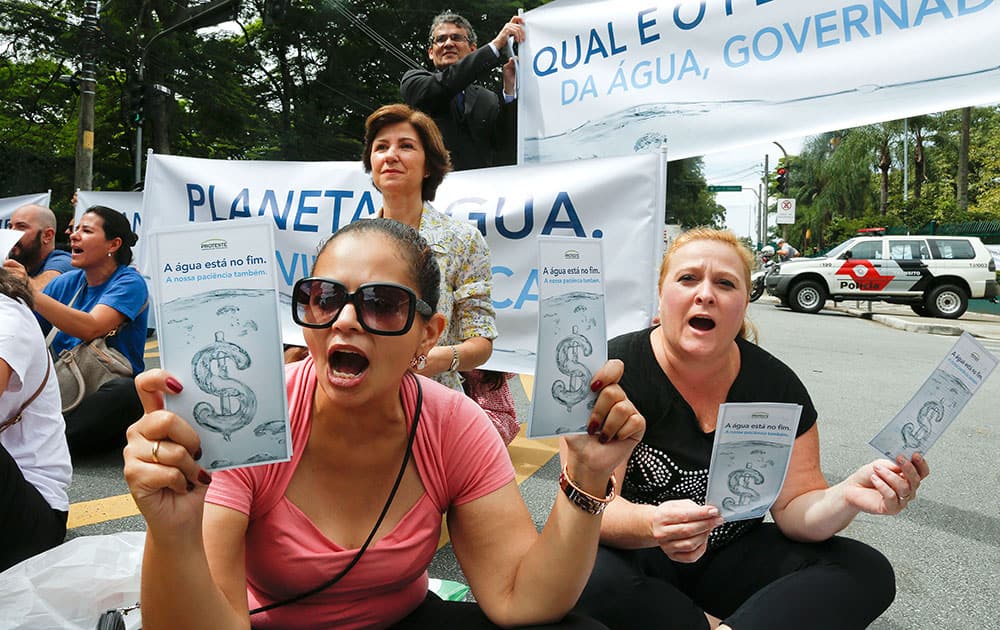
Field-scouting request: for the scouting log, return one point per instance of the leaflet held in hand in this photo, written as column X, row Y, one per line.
column 216, row 293
column 753, row 446
column 572, row 334
column 939, row 400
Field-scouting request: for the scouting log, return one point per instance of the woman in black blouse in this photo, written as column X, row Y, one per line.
column 668, row 560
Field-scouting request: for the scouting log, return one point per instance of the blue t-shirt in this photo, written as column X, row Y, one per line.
column 58, row 260
column 125, row 291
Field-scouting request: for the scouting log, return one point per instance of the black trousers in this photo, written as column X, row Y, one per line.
column 761, row 580
column 436, row 613
column 28, row 525
column 99, row 423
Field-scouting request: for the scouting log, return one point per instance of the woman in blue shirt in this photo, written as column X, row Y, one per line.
column 101, row 295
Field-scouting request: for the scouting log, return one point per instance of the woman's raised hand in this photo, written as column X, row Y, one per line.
column 615, row 426
column 681, row 528
column 884, row 487
column 161, row 467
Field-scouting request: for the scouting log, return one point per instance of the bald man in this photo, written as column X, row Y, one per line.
column 37, row 248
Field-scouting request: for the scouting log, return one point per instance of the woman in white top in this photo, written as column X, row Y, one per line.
column 35, row 467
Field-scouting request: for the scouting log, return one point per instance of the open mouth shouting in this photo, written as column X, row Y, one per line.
column 701, row 322
column 346, row 365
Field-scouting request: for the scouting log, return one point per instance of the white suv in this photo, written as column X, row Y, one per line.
column 935, row 275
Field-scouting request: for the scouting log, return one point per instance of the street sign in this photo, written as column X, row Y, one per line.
column 725, row 188
column 786, row 211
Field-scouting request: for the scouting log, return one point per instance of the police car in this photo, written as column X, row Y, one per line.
column 935, row 275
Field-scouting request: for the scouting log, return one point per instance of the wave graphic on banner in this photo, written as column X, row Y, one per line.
column 644, row 128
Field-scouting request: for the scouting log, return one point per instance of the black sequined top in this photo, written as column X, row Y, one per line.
column 672, row 460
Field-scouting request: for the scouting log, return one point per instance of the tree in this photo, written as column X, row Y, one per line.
column 962, row 174
column 688, row 201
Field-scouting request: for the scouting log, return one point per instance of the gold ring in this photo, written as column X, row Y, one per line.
column 904, row 497
column 156, row 451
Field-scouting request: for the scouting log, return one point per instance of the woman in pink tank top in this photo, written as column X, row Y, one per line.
column 342, row 534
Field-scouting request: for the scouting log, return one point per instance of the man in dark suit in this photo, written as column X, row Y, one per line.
column 477, row 124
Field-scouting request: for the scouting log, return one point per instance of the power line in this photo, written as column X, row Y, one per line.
column 372, row 34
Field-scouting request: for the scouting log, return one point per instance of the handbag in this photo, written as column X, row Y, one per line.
column 82, row 369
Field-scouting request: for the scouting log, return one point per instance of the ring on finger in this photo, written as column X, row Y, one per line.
column 904, row 497
column 156, row 451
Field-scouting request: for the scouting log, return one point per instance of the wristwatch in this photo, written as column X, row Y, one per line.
column 583, row 500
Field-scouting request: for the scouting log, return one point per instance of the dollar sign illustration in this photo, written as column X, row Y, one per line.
column 930, row 411
column 567, row 359
column 237, row 402
column 739, row 484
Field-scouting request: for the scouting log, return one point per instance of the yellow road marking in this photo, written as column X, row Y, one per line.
column 101, row 510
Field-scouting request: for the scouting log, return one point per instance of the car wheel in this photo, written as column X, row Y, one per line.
column 807, row 297
column 920, row 309
column 946, row 301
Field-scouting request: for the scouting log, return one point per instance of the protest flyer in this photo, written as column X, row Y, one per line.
column 938, row 401
column 753, row 445
column 216, row 295
column 572, row 334
column 8, row 239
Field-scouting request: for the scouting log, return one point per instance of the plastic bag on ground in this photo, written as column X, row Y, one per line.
column 72, row 585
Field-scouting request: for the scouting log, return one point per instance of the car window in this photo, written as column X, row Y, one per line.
column 908, row 250
column 840, row 249
column 952, row 249
column 867, row 249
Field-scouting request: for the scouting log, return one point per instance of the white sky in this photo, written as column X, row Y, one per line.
column 744, row 166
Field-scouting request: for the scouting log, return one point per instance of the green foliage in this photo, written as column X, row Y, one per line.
column 840, row 177
column 688, row 201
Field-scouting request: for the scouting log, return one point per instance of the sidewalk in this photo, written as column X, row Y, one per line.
column 900, row 316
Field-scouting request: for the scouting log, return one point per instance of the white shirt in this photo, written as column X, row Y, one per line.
column 38, row 442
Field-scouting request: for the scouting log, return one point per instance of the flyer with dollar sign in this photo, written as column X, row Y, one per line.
column 572, row 334
column 215, row 288
column 938, row 401
column 753, row 446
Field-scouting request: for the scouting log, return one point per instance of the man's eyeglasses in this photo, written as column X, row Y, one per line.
column 383, row 308
column 442, row 39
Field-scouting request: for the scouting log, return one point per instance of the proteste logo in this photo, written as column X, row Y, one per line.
column 864, row 275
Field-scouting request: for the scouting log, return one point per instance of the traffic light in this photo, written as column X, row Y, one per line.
column 781, row 179
column 136, row 103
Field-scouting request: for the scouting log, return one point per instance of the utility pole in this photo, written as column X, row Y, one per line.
column 764, row 203
column 83, row 177
column 205, row 14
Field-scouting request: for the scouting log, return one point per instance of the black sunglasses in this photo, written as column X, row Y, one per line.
column 383, row 308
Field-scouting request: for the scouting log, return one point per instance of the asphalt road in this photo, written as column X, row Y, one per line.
column 945, row 547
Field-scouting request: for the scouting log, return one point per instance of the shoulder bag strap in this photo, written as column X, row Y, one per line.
column 17, row 417
column 55, row 329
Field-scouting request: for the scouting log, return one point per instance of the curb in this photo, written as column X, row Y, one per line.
column 902, row 324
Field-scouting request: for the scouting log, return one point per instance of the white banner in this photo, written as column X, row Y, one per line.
column 619, row 200
column 600, row 78
column 9, row 204
column 128, row 203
